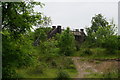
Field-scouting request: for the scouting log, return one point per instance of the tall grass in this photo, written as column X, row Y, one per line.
column 97, row 53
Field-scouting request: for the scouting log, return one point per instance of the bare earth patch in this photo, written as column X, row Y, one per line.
column 85, row 67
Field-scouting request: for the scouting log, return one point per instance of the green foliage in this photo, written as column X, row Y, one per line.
column 111, row 75
column 38, row 69
column 100, row 31
column 57, row 36
column 17, row 40
column 84, row 52
column 66, row 43
column 68, row 63
column 48, row 68
column 39, row 36
column 16, row 52
column 16, row 36
column 118, row 42
column 49, row 48
column 22, row 18
column 18, row 49
column 87, row 51
column 40, row 33
column 62, row 75
column 111, row 44
column 102, row 34
column 64, row 63
column 97, row 21
column 98, row 53
column 9, row 72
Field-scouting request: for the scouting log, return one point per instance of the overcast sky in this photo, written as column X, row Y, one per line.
column 78, row 13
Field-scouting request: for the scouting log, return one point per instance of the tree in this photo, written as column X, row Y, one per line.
column 40, row 35
column 97, row 21
column 99, row 30
column 66, row 43
column 23, row 16
column 17, row 20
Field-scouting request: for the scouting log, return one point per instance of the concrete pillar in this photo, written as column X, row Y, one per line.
column 53, row 27
column 59, row 29
column 82, row 30
column 77, row 30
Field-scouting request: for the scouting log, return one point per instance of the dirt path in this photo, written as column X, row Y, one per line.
column 80, row 68
column 88, row 67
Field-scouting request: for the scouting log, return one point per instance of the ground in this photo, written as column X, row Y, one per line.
column 84, row 69
column 90, row 67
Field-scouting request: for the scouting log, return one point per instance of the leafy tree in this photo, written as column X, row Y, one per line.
column 49, row 48
column 97, row 21
column 23, row 16
column 103, row 35
column 47, row 21
column 39, row 35
column 16, row 53
column 118, row 42
column 100, row 30
column 66, row 43
column 17, row 21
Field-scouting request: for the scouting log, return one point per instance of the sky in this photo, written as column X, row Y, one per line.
column 77, row 14
column 77, row 0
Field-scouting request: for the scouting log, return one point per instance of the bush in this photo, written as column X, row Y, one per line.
column 62, row 75
column 53, row 63
column 110, row 43
column 8, row 72
column 17, row 53
column 87, row 51
column 93, row 52
column 48, row 48
column 66, row 43
column 68, row 63
column 38, row 69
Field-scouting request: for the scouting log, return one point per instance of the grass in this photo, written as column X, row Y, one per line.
column 72, row 72
column 46, row 68
column 97, row 53
column 51, row 65
column 48, row 73
column 104, row 75
column 112, row 72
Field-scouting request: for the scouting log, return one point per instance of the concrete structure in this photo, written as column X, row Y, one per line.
column 54, row 31
column 79, row 35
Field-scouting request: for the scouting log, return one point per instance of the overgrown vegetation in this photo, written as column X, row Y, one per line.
column 102, row 40
column 66, row 43
column 28, row 54
column 109, row 74
column 33, row 51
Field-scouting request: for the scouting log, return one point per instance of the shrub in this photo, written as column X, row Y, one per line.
column 87, row 51
column 38, row 69
column 66, row 43
column 68, row 63
column 62, row 75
